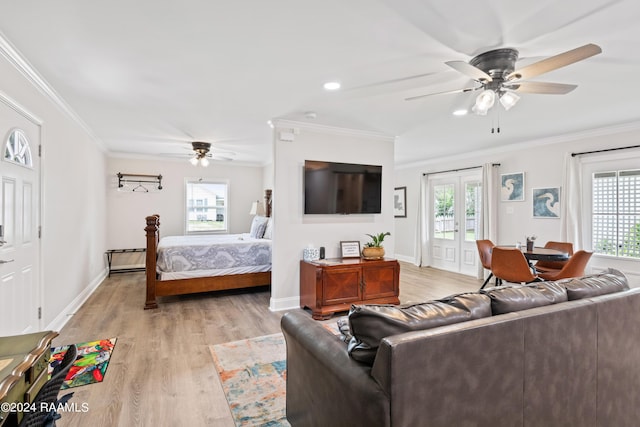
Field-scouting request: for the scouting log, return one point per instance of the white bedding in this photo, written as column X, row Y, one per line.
column 182, row 257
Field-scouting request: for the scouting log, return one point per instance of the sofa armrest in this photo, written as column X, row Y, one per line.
column 324, row 385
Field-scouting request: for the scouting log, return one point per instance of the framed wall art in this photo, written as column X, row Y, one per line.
column 512, row 187
column 546, row 202
column 400, row 202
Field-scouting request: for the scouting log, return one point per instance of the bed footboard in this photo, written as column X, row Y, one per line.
column 153, row 235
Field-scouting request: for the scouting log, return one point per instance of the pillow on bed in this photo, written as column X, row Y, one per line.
column 258, row 225
column 268, row 231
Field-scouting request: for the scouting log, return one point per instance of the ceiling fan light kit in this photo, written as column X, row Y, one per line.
column 495, row 72
column 201, row 149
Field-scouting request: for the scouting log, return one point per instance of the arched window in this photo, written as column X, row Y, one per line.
column 17, row 149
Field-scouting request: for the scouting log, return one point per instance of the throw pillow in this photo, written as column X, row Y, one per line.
column 268, row 231
column 258, row 225
column 369, row 324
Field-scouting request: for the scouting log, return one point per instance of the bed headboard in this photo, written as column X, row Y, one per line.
column 267, row 203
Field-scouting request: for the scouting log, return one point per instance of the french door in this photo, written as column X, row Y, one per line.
column 19, row 221
column 454, row 222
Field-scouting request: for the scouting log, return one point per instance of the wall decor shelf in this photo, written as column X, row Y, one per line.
column 124, row 179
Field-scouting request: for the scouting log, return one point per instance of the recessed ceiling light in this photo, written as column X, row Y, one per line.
column 331, row 86
column 460, row 113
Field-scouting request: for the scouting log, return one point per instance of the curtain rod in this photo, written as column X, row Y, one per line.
column 458, row 170
column 604, row 150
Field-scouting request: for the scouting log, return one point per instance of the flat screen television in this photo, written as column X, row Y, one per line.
column 342, row 188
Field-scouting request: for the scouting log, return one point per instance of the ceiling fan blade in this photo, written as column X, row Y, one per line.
column 555, row 62
column 469, row 70
column 468, row 89
column 541, row 87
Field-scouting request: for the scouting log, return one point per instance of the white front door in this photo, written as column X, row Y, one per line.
column 19, row 219
column 455, row 209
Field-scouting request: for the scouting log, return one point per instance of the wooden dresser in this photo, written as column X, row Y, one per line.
column 332, row 285
column 24, row 360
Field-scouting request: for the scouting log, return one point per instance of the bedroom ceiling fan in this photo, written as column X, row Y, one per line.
column 202, row 154
column 498, row 78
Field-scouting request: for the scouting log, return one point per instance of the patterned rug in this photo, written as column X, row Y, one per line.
column 253, row 376
column 90, row 365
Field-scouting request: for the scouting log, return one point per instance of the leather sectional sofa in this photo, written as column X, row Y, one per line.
column 563, row 353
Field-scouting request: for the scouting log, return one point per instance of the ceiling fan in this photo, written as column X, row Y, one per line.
column 202, row 154
column 497, row 77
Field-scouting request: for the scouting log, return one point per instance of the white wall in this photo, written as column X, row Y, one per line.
column 73, row 200
column 127, row 210
column 542, row 162
column 293, row 230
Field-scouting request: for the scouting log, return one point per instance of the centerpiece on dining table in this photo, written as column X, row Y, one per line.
column 530, row 242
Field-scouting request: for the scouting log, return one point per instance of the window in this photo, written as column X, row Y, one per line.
column 473, row 199
column 616, row 213
column 444, row 208
column 206, row 207
column 17, row 149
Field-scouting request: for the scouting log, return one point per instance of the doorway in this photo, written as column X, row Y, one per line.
column 455, row 208
column 20, row 292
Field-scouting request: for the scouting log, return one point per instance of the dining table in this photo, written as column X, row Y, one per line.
column 544, row 254
column 540, row 254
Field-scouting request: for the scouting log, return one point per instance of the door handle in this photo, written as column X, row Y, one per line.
column 5, row 262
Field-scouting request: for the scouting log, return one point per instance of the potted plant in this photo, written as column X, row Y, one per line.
column 373, row 249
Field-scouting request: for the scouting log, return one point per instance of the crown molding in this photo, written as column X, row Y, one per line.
column 174, row 159
column 19, row 62
column 293, row 124
column 532, row 143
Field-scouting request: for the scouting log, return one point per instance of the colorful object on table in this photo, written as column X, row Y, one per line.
column 90, row 365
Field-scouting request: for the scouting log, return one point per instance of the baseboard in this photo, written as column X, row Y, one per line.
column 281, row 304
column 61, row 319
column 404, row 258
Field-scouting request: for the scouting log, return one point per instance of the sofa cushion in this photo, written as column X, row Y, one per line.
column 505, row 299
column 368, row 324
column 593, row 285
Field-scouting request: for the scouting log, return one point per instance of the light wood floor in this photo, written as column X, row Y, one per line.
column 161, row 372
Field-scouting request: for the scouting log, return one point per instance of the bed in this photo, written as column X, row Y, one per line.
column 180, row 265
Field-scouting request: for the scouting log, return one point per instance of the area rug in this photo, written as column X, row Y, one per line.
column 253, row 376
column 90, row 365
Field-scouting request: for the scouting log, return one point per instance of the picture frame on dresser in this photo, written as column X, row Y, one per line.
column 350, row 249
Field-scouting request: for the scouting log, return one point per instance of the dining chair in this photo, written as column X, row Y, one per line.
column 484, row 251
column 510, row 265
column 45, row 402
column 574, row 267
column 554, row 266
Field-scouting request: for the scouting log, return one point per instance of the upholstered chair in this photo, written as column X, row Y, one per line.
column 574, row 267
column 484, row 251
column 48, row 394
column 554, row 266
column 510, row 265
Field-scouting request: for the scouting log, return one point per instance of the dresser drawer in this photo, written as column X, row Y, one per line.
column 32, row 391
column 41, row 364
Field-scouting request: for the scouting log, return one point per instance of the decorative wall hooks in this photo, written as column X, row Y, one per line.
column 136, row 182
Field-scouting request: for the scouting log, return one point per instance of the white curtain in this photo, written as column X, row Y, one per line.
column 571, row 202
column 489, row 212
column 422, row 250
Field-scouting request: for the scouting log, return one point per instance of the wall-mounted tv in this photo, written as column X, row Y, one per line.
column 342, row 188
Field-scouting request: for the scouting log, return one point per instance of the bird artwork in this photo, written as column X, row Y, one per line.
column 546, row 202
column 512, row 187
